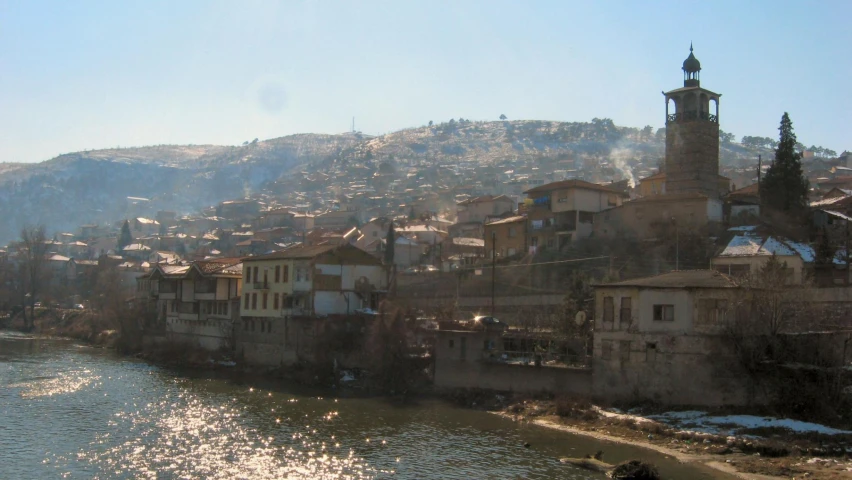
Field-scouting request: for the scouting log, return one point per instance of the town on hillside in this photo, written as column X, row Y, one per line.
column 664, row 276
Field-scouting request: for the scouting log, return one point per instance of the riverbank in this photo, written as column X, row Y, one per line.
column 756, row 453
column 85, row 326
column 775, row 455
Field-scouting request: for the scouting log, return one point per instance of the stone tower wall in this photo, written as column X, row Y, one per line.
column 692, row 157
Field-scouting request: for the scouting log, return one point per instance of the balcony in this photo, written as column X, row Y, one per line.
column 691, row 117
column 260, row 285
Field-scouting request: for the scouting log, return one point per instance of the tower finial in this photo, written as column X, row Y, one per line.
column 690, row 46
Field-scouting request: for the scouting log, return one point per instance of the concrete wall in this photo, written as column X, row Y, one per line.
column 673, row 369
column 466, row 364
column 283, row 341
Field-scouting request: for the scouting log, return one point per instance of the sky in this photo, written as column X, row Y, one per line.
column 102, row 74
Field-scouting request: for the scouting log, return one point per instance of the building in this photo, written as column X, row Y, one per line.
column 562, row 212
column 692, row 135
column 655, row 216
column 196, row 304
column 285, row 291
column 747, row 252
column 656, row 185
column 479, row 209
column 659, row 338
column 508, row 234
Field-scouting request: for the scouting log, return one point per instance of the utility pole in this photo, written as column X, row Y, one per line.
column 759, row 161
column 494, row 267
column 846, row 246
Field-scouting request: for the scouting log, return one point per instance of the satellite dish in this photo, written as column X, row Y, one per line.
column 580, row 318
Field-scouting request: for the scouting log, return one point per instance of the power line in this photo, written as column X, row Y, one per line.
column 479, row 267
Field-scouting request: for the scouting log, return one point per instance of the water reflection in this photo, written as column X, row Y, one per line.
column 84, row 413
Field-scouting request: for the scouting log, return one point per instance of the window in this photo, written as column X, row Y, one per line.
column 625, row 315
column 650, row 352
column 286, row 274
column 263, row 300
column 537, row 224
column 375, row 233
column 663, row 313
column 512, row 232
column 606, row 349
column 298, row 274
column 277, row 273
column 275, row 301
column 254, row 301
column 624, row 350
column 224, row 308
column 611, row 200
column 246, row 303
column 608, row 309
column 256, row 273
column 712, row 311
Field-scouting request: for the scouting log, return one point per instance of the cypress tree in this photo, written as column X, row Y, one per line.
column 124, row 238
column 785, row 188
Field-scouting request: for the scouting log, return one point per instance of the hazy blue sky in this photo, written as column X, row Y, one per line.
column 81, row 75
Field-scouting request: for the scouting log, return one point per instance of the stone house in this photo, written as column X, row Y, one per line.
column 659, row 338
column 479, row 209
column 196, row 304
column 510, row 236
column 649, row 217
column 563, row 212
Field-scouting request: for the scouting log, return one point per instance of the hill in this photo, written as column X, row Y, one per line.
column 93, row 186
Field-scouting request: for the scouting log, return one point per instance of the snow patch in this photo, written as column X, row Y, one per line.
column 729, row 424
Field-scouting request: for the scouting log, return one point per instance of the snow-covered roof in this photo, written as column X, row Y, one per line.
column 749, row 245
column 743, row 228
column 741, row 245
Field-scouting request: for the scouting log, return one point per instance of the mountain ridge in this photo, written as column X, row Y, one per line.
column 92, row 186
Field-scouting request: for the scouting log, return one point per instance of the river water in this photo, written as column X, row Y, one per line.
column 72, row 411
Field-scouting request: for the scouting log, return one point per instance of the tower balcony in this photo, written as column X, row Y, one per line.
column 684, row 117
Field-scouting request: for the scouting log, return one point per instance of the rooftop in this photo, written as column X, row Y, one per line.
column 680, row 279
column 579, row 184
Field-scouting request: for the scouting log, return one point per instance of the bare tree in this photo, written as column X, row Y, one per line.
column 33, row 269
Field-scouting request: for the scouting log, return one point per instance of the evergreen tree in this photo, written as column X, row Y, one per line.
column 124, row 238
column 390, row 242
column 785, row 188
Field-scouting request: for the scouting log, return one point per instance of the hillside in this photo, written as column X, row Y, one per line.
column 93, row 186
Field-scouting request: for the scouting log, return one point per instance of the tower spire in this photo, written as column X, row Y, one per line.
column 690, row 46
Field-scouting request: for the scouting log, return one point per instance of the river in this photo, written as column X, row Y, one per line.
column 73, row 411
